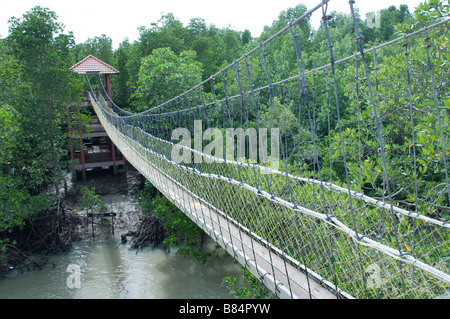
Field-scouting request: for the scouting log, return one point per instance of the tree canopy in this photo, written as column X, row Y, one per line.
column 162, row 72
column 35, row 87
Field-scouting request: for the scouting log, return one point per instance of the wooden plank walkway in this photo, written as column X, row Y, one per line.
column 283, row 275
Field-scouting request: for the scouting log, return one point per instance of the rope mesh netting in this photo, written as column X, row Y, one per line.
column 326, row 196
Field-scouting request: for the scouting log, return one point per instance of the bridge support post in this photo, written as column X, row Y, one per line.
column 113, row 147
column 83, row 155
column 72, row 152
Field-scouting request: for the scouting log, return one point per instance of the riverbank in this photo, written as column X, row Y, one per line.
column 111, row 269
column 118, row 194
column 59, row 227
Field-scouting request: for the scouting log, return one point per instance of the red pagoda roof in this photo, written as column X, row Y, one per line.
column 91, row 64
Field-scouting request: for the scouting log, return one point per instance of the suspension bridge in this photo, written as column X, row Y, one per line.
column 310, row 221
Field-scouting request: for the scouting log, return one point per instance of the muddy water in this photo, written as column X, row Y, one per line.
column 105, row 268
column 102, row 268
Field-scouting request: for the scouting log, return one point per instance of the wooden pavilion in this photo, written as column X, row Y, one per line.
column 95, row 149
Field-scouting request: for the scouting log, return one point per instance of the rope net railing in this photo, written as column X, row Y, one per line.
column 342, row 165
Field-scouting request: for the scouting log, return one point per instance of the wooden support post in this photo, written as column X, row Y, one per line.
column 113, row 150
column 69, row 128
column 72, row 154
column 92, row 225
column 113, row 147
column 92, row 215
column 108, row 88
column 112, row 223
column 83, row 157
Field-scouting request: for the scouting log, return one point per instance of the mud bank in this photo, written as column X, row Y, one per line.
column 118, row 193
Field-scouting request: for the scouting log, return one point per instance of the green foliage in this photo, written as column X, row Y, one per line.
column 162, row 72
column 182, row 233
column 99, row 46
column 91, row 201
column 168, row 31
column 16, row 204
column 43, row 52
column 9, row 130
column 432, row 10
column 35, row 87
column 389, row 18
column 247, row 287
column 214, row 48
column 120, row 90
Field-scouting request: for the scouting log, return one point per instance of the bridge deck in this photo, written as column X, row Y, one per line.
column 284, row 276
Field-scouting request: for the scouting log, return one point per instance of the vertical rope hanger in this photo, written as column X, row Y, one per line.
column 376, row 114
column 244, row 115
column 325, row 18
column 416, row 186
column 264, row 54
column 438, row 115
column 316, row 163
column 304, row 90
